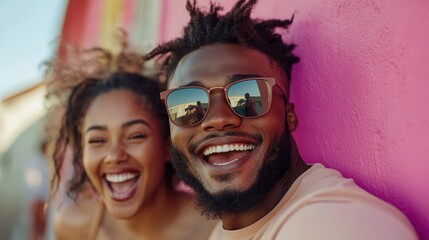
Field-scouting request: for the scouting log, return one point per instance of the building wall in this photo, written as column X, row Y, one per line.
column 360, row 90
column 96, row 23
column 19, row 113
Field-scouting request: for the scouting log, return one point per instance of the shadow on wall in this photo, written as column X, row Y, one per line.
column 15, row 181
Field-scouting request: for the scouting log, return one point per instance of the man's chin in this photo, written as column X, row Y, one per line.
column 222, row 188
column 231, row 201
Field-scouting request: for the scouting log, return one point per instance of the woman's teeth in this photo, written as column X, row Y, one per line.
column 227, row 148
column 121, row 177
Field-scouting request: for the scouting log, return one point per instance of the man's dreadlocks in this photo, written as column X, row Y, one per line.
column 235, row 27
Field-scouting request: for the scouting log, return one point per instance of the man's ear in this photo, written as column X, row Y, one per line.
column 291, row 118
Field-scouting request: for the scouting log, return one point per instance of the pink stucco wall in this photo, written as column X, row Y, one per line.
column 361, row 90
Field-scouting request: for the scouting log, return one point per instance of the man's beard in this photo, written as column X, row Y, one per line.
column 276, row 163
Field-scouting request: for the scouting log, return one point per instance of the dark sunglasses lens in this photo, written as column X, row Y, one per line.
column 250, row 98
column 187, row 106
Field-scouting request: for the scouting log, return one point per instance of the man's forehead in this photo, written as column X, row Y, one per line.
column 220, row 61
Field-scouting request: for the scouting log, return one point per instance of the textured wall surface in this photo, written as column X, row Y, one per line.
column 361, row 90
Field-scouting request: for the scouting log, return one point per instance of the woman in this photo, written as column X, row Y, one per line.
column 118, row 130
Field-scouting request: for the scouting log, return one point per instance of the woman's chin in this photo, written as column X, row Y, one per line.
column 122, row 212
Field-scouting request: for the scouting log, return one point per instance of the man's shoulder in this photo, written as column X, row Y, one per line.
column 343, row 219
column 329, row 205
column 322, row 204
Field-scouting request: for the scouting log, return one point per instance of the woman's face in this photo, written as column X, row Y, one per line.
column 124, row 151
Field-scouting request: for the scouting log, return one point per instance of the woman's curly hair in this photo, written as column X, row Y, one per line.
column 73, row 83
column 235, row 27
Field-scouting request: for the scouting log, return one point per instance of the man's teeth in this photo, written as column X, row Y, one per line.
column 227, row 148
column 122, row 177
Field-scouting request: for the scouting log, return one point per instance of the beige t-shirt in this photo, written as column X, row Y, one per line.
column 322, row 204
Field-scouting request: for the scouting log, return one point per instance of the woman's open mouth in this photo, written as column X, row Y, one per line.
column 121, row 186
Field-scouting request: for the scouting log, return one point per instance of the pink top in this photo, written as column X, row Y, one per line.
column 322, row 204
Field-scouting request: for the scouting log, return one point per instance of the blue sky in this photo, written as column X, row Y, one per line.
column 28, row 35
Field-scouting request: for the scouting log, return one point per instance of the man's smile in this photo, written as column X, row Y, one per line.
column 225, row 154
column 227, row 148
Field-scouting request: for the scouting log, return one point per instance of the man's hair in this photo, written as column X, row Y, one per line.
column 235, row 27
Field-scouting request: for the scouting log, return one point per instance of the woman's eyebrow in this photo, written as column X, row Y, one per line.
column 96, row 127
column 125, row 125
column 134, row 122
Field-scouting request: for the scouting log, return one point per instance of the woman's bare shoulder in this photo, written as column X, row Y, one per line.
column 74, row 218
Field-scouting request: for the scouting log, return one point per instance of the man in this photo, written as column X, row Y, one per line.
column 250, row 106
column 246, row 170
column 199, row 110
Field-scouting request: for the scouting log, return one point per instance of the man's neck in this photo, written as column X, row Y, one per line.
column 242, row 220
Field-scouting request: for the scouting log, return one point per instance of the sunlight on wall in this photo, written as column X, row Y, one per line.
column 18, row 114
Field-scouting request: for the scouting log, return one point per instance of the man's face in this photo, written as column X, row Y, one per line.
column 251, row 143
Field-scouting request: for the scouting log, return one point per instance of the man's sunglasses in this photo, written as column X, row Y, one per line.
column 248, row 98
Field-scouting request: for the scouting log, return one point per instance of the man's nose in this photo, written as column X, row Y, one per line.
column 220, row 115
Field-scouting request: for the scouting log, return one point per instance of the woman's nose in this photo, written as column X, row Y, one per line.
column 116, row 153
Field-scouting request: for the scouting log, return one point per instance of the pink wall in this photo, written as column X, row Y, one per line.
column 361, row 90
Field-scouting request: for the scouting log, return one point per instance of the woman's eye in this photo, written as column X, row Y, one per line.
column 96, row 141
column 137, row 136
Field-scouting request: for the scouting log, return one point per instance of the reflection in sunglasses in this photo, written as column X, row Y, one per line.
column 247, row 98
